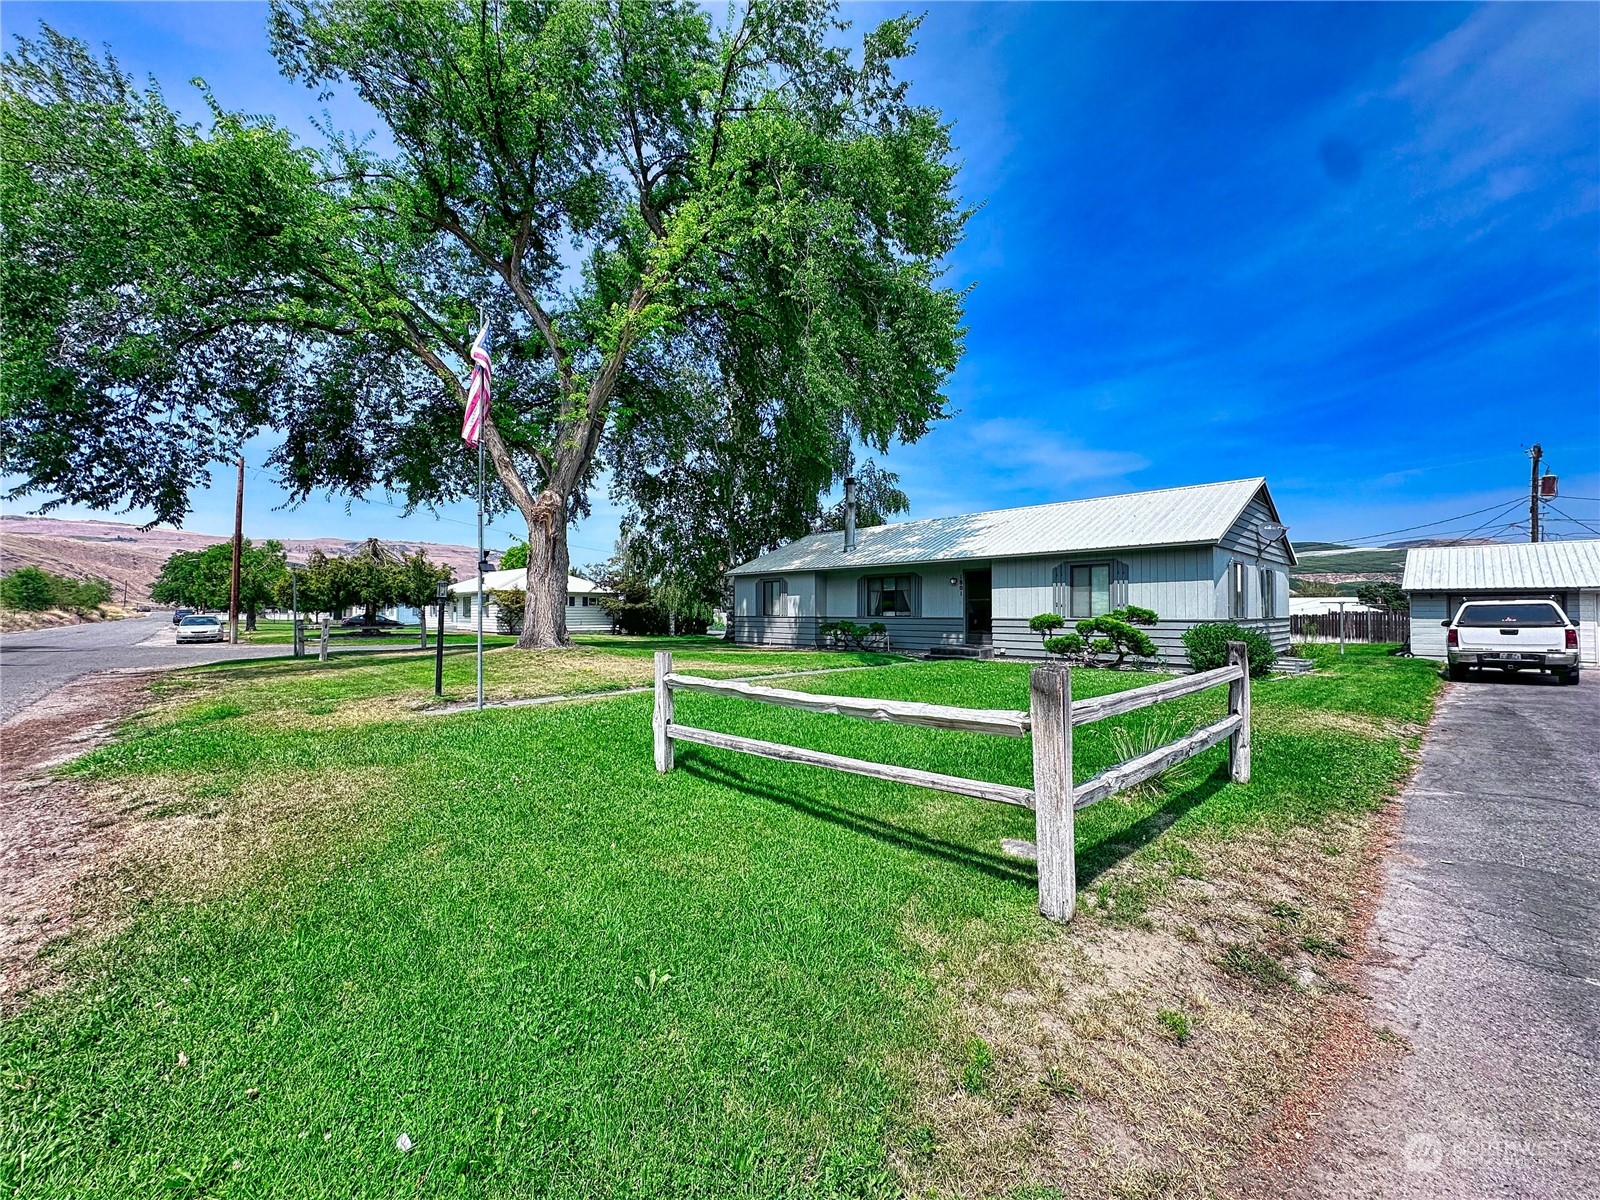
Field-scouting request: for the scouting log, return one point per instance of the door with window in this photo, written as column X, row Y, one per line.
column 978, row 587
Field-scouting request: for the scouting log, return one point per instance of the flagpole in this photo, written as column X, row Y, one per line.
column 480, row 573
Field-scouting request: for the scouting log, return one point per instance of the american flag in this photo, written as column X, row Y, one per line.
column 477, row 391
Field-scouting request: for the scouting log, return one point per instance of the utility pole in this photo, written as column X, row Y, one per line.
column 1535, row 454
column 238, row 546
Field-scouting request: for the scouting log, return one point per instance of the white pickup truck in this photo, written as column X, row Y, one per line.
column 1512, row 635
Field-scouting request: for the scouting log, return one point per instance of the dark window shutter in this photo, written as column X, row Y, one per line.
column 1119, row 583
column 1060, row 594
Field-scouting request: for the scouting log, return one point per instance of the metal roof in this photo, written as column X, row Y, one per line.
column 1169, row 517
column 516, row 579
column 1507, row 565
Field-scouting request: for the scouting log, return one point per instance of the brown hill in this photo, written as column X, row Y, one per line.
column 131, row 558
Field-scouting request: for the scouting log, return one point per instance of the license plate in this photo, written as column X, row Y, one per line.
column 1497, row 657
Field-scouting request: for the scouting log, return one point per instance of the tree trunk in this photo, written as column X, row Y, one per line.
column 544, row 617
column 250, row 619
column 422, row 624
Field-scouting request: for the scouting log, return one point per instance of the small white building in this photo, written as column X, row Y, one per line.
column 1439, row 579
column 1207, row 553
column 584, row 612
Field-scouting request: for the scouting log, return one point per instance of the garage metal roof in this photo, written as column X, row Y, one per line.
column 1507, row 565
column 1169, row 517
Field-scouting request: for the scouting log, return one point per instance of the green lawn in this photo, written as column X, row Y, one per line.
column 562, row 975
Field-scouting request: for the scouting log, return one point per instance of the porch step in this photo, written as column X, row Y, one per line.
column 1294, row 666
column 979, row 652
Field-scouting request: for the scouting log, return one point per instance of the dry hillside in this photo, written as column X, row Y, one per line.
column 131, row 558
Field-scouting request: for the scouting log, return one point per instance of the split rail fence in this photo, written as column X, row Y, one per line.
column 1050, row 719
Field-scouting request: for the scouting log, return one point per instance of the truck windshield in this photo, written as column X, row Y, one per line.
column 1478, row 615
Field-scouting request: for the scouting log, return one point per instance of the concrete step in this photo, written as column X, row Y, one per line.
column 975, row 652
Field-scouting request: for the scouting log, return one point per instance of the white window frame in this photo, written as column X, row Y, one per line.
column 909, row 591
column 1072, row 612
column 1267, row 581
column 1238, row 591
column 772, row 600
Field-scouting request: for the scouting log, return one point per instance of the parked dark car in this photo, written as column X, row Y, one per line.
column 376, row 625
column 178, row 614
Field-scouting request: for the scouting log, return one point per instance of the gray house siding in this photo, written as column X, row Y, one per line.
column 1014, row 639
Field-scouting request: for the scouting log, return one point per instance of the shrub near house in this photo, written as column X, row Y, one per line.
column 1116, row 633
column 1208, row 647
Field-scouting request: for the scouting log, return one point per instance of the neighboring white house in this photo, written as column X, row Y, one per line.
column 1213, row 552
column 1439, row 578
column 1316, row 606
column 583, row 601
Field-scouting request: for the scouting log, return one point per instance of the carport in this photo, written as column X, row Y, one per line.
column 1438, row 579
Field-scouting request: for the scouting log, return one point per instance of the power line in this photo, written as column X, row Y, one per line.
column 1574, row 520
column 1497, row 508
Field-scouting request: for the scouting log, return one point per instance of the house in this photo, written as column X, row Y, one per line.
column 1213, row 552
column 1438, row 578
column 583, row 601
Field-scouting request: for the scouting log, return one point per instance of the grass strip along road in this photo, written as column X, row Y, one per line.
column 559, row 974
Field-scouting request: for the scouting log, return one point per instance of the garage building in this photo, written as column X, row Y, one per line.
column 1439, row 579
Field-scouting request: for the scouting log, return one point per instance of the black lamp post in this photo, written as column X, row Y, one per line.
column 443, row 594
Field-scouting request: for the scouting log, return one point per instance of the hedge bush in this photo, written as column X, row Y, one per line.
column 1207, row 645
column 28, row 589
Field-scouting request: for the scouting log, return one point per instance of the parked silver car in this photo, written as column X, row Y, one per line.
column 200, row 629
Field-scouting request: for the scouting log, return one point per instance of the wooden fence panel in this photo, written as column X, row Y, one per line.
column 1358, row 627
column 1050, row 718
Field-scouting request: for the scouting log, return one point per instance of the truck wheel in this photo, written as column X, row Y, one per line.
column 1571, row 676
column 1458, row 673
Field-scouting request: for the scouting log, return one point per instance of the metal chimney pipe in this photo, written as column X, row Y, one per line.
column 849, row 514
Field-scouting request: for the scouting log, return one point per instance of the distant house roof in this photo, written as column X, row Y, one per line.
column 1169, row 517
column 1509, row 565
column 517, row 578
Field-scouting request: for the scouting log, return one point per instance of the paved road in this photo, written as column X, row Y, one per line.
column 1489, row 942
column 33, row 664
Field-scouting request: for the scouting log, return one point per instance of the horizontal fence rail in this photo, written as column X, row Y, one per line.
column 1050, row 719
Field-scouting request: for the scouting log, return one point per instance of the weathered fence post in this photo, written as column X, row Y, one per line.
column 322, row 644
column 1050, row 706
column 1239, row 706
column 663, row 713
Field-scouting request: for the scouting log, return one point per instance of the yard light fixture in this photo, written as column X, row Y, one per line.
column 442, row 593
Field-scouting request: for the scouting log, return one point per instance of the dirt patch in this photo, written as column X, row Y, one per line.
column 1142, row 1051
column 52, row 832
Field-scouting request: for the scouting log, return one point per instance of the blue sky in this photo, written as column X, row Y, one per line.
column 1353, row 248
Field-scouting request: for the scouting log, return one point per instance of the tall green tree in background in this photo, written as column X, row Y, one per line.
column 203, row 578
column 416, row 583
column 669, row 222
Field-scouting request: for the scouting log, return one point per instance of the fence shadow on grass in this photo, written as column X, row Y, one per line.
column 996, row 866
column 1093, row 860
column 1099, row 857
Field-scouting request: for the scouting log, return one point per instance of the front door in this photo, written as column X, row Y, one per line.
column 979, row 591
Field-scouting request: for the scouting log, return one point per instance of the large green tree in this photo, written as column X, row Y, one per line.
column 204, row 578
column 659, row 215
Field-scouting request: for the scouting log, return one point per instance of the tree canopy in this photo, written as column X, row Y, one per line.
column 707, row 252
column 204, row 578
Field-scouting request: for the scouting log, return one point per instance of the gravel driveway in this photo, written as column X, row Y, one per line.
column 1487, row 960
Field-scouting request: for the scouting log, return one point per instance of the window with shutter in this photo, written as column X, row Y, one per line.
column 891, row 595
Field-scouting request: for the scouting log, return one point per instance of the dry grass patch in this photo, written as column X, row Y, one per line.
column 1137, row 1057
